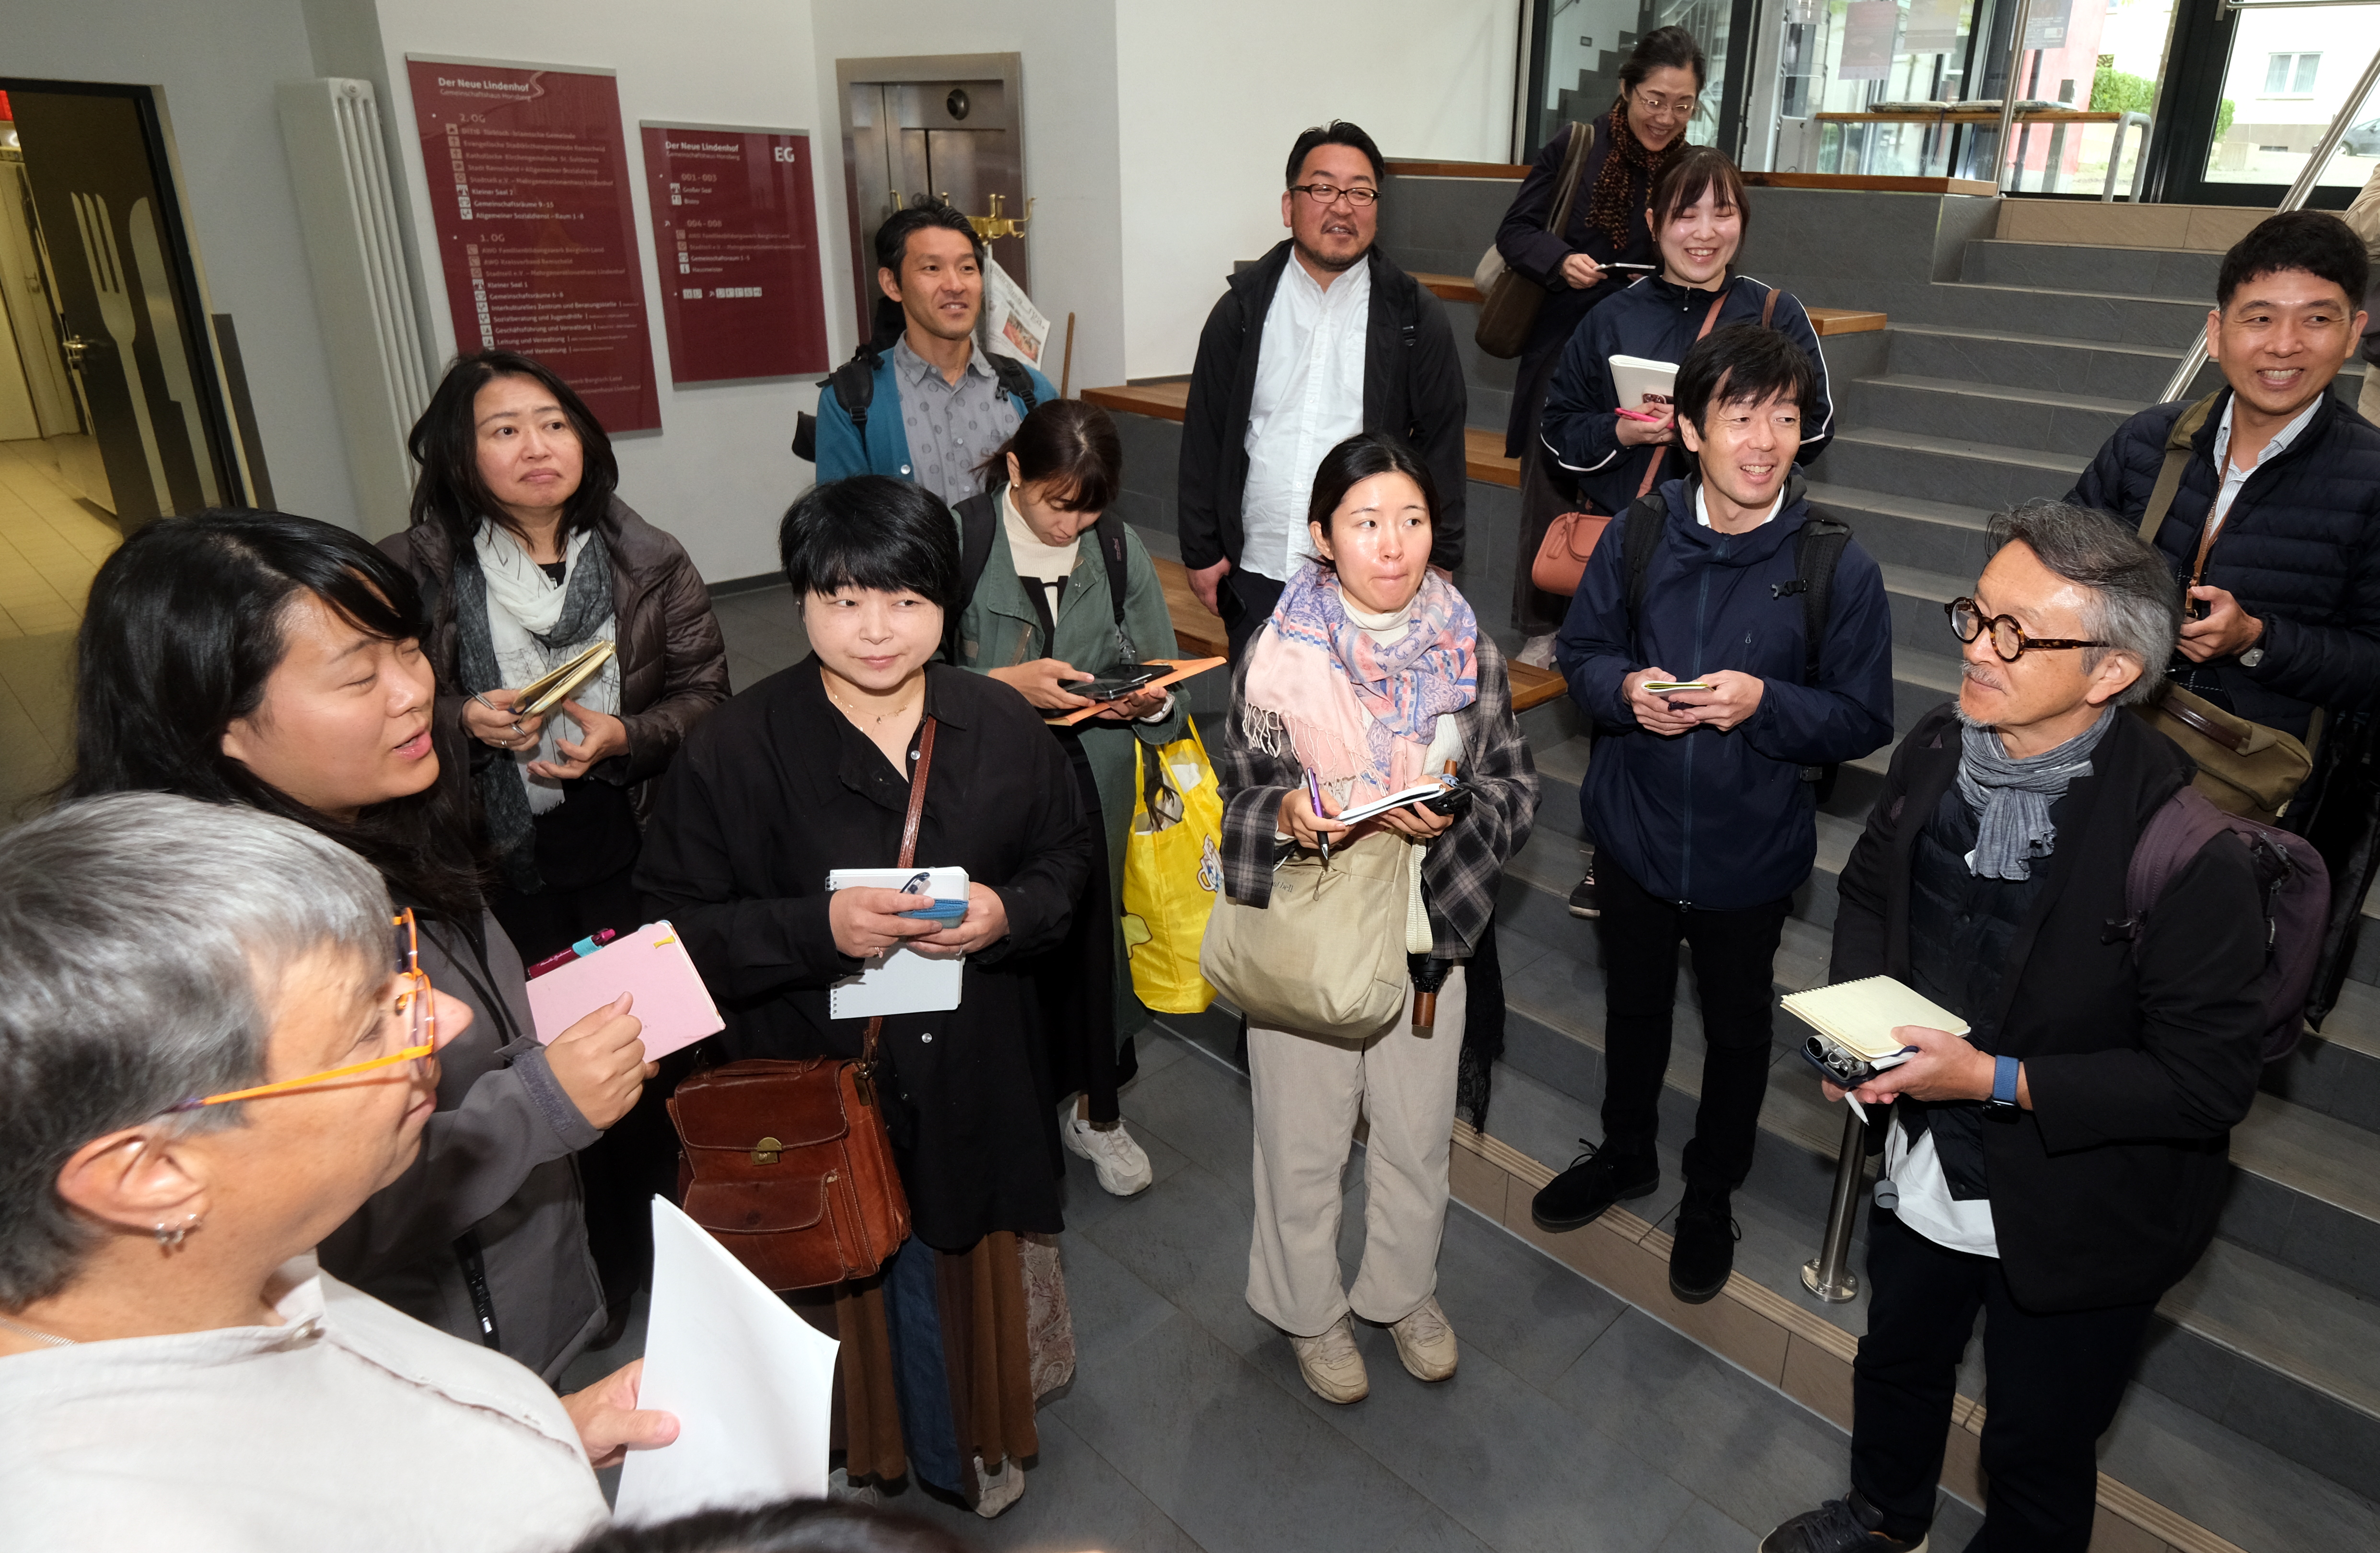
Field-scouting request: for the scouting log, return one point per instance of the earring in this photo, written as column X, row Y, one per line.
column 167, row 1239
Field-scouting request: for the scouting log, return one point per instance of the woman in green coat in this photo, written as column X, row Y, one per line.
column 1043, row 615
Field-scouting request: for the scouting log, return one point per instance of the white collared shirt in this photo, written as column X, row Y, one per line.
column 1926, row 1203
column 1310, row 398
column 2233, row 478
column 349, row 1426
column 1701, row 509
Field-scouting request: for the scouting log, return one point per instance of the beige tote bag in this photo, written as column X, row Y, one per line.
column 1327, row 957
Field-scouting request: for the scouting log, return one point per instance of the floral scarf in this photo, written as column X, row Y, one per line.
column 1357, row 711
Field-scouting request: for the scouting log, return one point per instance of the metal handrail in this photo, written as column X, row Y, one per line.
column 2009, row 94
column 2141, row 161
column 2296, row 197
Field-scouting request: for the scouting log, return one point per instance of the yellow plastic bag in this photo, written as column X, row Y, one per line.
column 1172, row 873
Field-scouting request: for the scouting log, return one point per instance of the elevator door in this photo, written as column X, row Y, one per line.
column 120, row 282
column 916, row 141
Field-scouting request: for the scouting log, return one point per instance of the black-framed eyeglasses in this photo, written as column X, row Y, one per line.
column 1325, row 193
column 2008, row 639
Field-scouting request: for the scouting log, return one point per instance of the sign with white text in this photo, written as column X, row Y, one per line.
column 736, row 238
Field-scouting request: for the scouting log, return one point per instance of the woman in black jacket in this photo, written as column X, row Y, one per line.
column 1641, row 135
column 810, row 772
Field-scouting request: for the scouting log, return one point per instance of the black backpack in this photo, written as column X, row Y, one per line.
column 855, row 389
column 1816, row 549
column 978, row 518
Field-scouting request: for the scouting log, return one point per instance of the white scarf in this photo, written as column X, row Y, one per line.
column 522, row 598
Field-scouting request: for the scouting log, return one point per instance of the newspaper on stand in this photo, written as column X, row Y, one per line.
column 1011, row 325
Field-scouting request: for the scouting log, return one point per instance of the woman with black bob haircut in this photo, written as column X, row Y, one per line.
column 273, row 661
column 526, row 558
column 1067, row 593
column 1371, row 673
column 808, row 771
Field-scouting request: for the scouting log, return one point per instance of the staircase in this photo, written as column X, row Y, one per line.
column 2254, row 1413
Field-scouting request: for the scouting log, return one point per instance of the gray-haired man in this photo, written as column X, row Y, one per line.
column 2061, row 1166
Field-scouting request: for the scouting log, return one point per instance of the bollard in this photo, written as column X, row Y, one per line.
column 1828, row 1275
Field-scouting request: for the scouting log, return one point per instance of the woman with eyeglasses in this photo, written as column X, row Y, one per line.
column 213, row 1052
column 1605, row 244
column 275, row 662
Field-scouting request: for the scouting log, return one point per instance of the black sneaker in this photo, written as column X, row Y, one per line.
column 1583, row 901
column 1844, row 1525
column 1595, row 1181
column 1702, row 1247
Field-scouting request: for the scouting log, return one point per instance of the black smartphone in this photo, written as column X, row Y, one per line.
column 1119, row 681
column 1455, row 800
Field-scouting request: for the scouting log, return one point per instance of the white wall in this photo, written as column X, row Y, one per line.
column 1071, row 164
column 1213, row 94
column 217, row 65
column 718, row 473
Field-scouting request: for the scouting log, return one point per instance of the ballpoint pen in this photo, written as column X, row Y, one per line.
column 1314, row 796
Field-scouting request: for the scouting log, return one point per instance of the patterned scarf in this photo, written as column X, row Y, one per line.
column 1357, row 711
column 1625, row 185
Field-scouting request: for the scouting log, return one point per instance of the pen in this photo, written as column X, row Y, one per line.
column 1636, row 415
column 1314, row 796
column 579, row 950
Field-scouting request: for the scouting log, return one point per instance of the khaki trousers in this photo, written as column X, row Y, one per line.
column 1309, row 1092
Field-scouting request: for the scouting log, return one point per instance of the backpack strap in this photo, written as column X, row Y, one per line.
column 978, row 519
column 1816, row 549
column 1107, row 534
column 854, row 386
column 1016, row 381
column 2180, row 826
column 1768, row 309
column 1647, row 516
column 2180, row 446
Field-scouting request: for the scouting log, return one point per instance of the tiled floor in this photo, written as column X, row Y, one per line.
column 50, row 546
column 1575, row 1423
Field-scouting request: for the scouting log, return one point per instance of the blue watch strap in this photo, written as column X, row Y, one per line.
column 2004, row 1072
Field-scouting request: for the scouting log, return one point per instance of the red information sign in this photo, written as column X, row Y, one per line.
column 736, row 235
column 528, row 183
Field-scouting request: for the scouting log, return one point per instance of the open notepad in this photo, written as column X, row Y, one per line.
column 1861, row 1015
column 1432, row 788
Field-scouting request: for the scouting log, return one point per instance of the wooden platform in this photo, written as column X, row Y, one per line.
column 1201, row 636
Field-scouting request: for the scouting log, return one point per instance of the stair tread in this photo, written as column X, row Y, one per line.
column 2012, row 289
column 2321, row 1157
column 1860, row 499
column 2165, row 353
column 2321, row 1337
column 1957, row 447
column 2354, row 1020
column 1918, row 583
column 2003, row 391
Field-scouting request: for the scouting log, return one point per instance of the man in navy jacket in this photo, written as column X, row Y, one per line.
column 1696, row 798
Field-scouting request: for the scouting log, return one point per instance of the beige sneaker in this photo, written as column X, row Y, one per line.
column 1537, row 651
column 1000, row 1487
column 1331, row 1365
column 1425, row 1342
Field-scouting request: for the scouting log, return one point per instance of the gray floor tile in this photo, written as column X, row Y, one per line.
column 1187, row 1238
column 1158, row 1048
column 1239, row 1464
column 1074, row 1498
column 1201, row 1108
column 1703, row 1529
column 1511, row 1303
column 1110, row 1307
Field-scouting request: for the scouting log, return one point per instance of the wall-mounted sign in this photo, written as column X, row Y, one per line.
column 1933, row 26
column 2045, row 25
column 735, row 236
column 1869, row 29
column 529, row 185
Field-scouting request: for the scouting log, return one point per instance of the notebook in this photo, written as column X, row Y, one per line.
column 652, row 962
column 1636, row 382
column 903, row 979
column 1861, row 1015
column 1433, row 788
column 557, row 685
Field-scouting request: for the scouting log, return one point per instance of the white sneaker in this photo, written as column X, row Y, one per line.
column 1332, row 1366
column 1537, row 651
column 1122, row 1165
column 1425, row 1342
column 999, row 1486
column 839, row 1485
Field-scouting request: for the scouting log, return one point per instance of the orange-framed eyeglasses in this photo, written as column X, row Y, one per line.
column 414, row 1003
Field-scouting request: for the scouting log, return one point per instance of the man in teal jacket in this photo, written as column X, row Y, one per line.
column 933, row 406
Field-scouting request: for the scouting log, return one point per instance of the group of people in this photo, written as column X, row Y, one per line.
column 287, row 1164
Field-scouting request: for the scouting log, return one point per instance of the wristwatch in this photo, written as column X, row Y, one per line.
column 2002, row 1106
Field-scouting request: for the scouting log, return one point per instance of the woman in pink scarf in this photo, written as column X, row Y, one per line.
column 1371, row 675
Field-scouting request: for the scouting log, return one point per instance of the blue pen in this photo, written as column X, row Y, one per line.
column 1313, row 794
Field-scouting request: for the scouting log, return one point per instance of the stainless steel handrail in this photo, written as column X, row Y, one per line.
column 1828, row 1275
column 2139, row 162
column 2296, row 197
column 2009, row 94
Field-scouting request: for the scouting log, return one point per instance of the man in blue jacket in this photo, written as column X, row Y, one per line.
column 1698, row 798
column 933, row 406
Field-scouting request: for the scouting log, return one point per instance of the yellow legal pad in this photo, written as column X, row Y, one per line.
column 1861, row 1015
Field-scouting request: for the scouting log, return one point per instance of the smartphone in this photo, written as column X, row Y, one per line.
column 1674, row 686
column 1617, row 267
column 1118, row 682
column 1455, row 800
column 938, row 909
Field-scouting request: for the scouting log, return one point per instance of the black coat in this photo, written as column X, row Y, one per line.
column 1413, row 387
column 1536, row 253
column 2140, row 1057
column 777, row 787
column 2300, row 550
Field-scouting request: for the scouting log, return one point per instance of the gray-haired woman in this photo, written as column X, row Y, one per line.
column 212, row 1049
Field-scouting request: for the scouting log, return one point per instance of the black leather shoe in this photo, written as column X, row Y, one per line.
column 1595, row 1181
column 1702, row 1247
column 1846, row 1525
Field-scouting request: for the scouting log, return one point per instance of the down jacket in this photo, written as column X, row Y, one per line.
column 2300, row 550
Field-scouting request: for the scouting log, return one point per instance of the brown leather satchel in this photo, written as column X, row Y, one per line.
column 787, row 1164
column 1509, row 300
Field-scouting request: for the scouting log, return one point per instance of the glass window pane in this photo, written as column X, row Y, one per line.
column 2306, row 63
column 2278, row 100
column 2276, row 75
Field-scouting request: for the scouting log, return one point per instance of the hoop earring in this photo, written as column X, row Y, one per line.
column 167, row 1239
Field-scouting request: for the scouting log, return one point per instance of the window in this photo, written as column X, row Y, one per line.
column 2291, row 75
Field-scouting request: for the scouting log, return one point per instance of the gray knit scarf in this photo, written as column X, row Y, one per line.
column 585, row 605
column 2012, row 797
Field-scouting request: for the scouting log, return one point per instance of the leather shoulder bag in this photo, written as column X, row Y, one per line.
column 2243, row 767
column 788, row 1163
column 1509, row 300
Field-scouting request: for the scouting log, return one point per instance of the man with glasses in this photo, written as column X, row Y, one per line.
column 2061, row 1166
column 1321, row 338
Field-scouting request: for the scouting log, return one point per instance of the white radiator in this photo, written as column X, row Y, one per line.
column 346, row 207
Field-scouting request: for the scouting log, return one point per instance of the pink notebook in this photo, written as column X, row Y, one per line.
column 651, row 962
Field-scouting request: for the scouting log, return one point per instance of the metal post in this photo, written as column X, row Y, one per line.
column 2008, row 94
column 1829, row 1275
column 2115, row 156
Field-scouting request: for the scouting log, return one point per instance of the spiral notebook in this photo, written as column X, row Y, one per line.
column 901, row 980
column 1861, row 1015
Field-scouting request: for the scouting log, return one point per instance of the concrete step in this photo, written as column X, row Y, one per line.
column 1939, row 469
column 2180, row 274
column 1942, row 536
column 2111, row 317
column 2008, row 352
column 2038, row 418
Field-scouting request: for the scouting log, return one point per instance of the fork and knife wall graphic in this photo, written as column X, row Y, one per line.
column 121, row 318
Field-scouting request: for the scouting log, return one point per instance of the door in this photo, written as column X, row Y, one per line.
column 931, row 129
column 121, row 289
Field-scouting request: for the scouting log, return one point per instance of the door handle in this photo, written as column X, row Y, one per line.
column 76, row 348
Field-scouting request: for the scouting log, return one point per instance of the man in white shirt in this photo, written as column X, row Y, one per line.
column 1345, row 342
